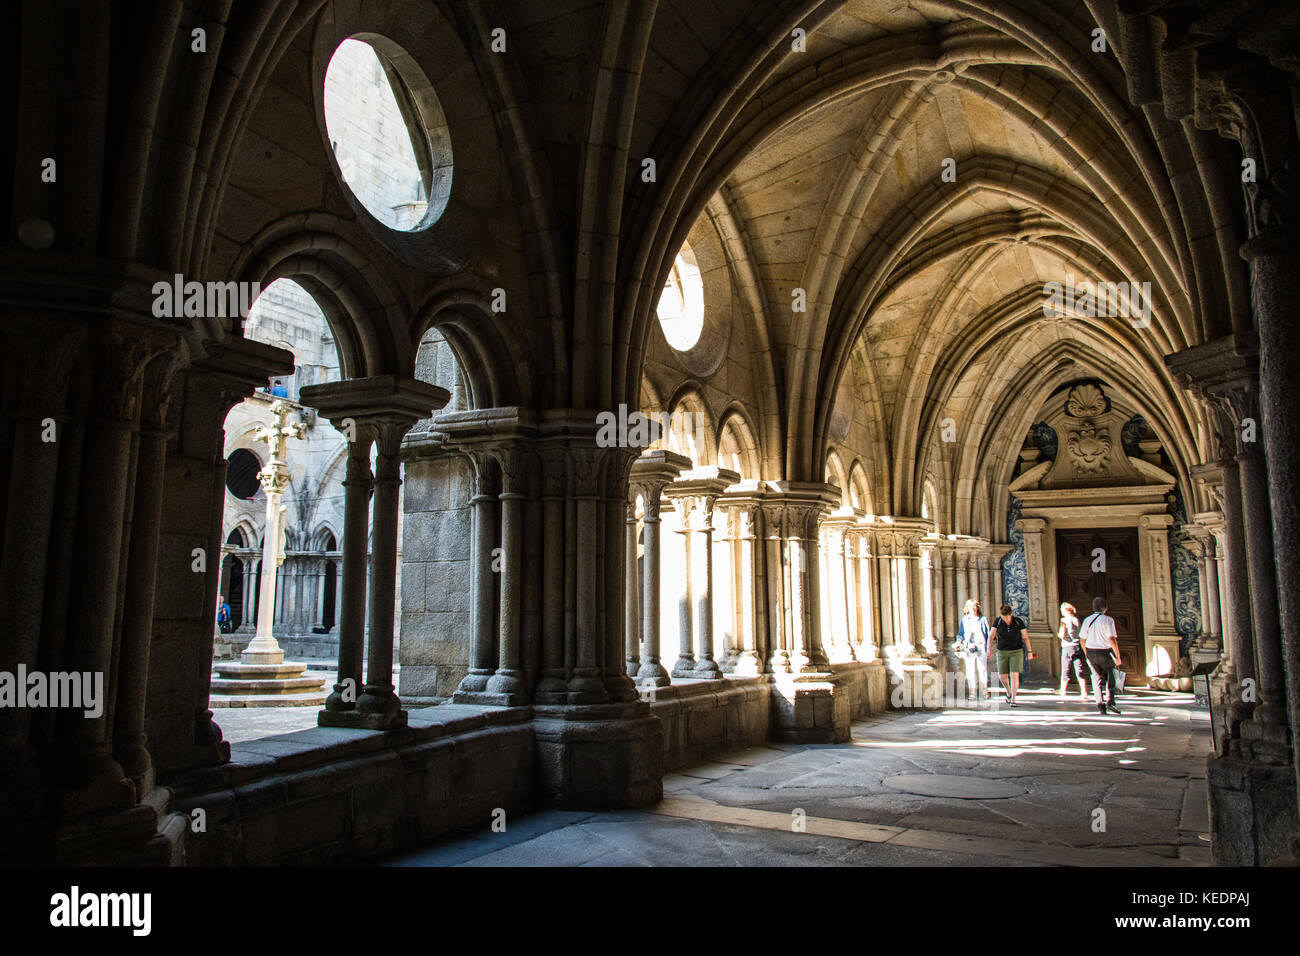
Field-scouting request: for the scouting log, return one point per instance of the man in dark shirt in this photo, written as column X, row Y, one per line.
column 1011, row 646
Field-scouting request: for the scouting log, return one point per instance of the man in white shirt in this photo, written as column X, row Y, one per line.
column 1101, row 645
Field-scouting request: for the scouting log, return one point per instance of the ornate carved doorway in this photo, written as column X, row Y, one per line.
column 1079, row 555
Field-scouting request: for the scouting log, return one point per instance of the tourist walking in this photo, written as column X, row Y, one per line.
column 1073, row 657
column 1012, row 646
column 1101, row 644
column 974, row 640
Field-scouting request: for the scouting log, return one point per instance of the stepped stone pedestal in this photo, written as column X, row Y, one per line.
column 277, row 684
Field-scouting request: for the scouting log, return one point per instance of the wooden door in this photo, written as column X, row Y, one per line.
column 1120, row 583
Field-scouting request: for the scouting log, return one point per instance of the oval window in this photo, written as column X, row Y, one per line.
column 681, row 305
column 390, row 142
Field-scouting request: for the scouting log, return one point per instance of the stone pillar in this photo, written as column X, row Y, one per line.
column 1275, row 285
column 694, row 494
column 685, row 666
column 651, row 473
column 552, row 687
column 351, row 589
column 38, row 378
column 632, row 595
column 932, row 639
column 836, row 529
column 507, row 683
column 865, row 597
column 482, row 658
column 748, row 662
column 382, row 408
column 129, row 740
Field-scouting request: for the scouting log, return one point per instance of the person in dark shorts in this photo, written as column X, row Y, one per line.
column 1101, row 644
column 1011, row 646
column 1073, row 657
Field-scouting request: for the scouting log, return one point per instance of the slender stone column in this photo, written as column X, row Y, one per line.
column 804, row 506
column 41, row 360
column 380, row 408
column 885, row 580
column 1275, row 289
column 483, row 507
column 552, row 687
column 508, row 680
column 960, row 559
column 1237, row 623
column 1271, row 708
column 378, row 701
column 702, row 562
column 129, row 741
column 932, row 640
column 632, row 595
column 89, row 779
column 586, row 685
column 748, row 663
column 866, row 600
column 685, row 666
column 351, row 589
column 651, row 473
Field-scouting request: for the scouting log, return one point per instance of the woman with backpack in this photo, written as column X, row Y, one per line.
column 1012, row 645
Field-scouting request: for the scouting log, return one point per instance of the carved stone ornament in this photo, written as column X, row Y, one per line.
column 1089, row 448
column 1085, row 401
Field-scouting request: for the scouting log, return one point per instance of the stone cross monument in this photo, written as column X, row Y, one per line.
column 261, row 677
column 264, row 649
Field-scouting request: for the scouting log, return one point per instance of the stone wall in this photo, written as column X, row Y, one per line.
column 435, row 610
column 702, row 718
column 333, row 795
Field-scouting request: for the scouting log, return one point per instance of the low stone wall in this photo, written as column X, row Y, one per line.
column 1252, row 812
column 866, row 686
column 706, row 717
column 334, row 795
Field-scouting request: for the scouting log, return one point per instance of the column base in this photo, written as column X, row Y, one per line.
column 509, row 687
column 475, row 682
column 1252, row 811
column 652, row 674
column 585, row 688
column 684, row 668
column 810, row 711
column 602, row 757
column 146, row 834
column 707, row 669
column 747, row 664
column 551, row 689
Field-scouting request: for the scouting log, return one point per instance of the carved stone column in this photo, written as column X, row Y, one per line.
column 694, row 494
column 508, row 683
column 651, row 473
column 867, row 589
column 382, row 408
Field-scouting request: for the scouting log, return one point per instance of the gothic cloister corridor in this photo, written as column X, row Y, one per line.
column 1058, row 759
column 583, row 433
